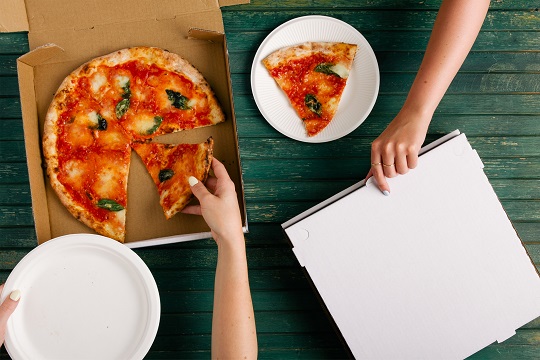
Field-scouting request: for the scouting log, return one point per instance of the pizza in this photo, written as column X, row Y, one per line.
column 105, row 106
column 170, row 166
column 313, row 75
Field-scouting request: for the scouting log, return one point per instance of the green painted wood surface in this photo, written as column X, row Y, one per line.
column 494, row 99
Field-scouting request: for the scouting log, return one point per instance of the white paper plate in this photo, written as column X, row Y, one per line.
column 360, row 92
column 83, row 296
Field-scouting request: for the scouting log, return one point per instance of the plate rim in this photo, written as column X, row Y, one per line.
column 76, row 240
column 256, row 61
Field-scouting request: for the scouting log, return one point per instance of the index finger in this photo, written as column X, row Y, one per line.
column 378, row 174
column 219, row 169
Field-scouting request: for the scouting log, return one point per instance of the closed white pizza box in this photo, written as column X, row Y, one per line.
column 63, row 34
column 433, row 271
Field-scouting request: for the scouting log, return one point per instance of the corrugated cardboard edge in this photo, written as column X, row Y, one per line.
column 209, row 35
column 13, row 16
column 25, row 70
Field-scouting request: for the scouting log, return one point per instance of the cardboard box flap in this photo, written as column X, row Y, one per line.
column 223, row 3
column 49, row 15
column 13, row 16
column 41, row 54
column 208, row 35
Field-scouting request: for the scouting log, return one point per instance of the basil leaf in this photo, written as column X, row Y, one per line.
column 102, row 123
column 122, row 107
column 313, row 104
column 178, row 100
column 127, row 91
column 326, row 68
column 110, row 205
column 157, row 123
column 165, row 174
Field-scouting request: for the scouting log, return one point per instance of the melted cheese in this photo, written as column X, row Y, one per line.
column 341, row 70
column 97, row 82
column 143, row 124
column 121, row 81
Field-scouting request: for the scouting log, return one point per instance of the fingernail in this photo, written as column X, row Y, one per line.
column 386, row 192
column 192, row 180
column 15, row 295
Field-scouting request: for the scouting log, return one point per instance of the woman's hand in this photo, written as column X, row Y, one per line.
column 395, row 151
column 6, row 309
column 219, row 206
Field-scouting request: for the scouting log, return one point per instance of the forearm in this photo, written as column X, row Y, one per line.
column 454, row 32
column 233, row 324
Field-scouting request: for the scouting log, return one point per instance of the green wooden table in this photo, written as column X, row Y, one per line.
column 494, row 100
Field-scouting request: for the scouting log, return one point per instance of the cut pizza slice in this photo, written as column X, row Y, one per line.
column 88, row 162
column 170, row 166
column 313, row 75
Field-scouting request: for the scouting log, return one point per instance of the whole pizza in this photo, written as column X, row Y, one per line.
column 110, row 105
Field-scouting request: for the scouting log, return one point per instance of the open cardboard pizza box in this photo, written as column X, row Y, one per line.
column 63, row 34
column 433, row 271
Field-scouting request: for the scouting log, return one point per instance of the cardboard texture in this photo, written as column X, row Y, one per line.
column 433, row 271
column 59, row 44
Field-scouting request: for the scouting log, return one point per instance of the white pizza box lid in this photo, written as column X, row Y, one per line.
column 433, row 271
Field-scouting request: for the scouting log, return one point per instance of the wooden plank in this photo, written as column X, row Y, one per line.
column 13, row 173
column 393, row 61
column 10, row 86
column 11, row 129
column 466, row 83
column 8, row 65
column 258, row 5
column 199, row 301
column 451, row 104
column 517, row 210
column 441, row 124
column 507, row 189
column 355, row 169
column 13, row 43
column 15, row 194
column 405, row 40
column 348, row 147
column 362, row 20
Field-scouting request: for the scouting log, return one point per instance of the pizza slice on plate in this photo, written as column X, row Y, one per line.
column 170, row 166
column 313, row 75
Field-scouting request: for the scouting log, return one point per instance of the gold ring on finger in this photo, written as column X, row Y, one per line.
column 375, row 164
column 387, row 165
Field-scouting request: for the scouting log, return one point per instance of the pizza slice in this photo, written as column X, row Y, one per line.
column 170, row 166
column 88, row 159
column 313, row 75
column 155, row 92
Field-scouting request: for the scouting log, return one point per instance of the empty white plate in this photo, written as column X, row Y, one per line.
column 83, row 296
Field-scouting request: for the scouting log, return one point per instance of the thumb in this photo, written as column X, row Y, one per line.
column 7, row 308
column 198, row 188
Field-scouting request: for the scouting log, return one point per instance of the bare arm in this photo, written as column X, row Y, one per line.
column 454, row 32
column 233, row 322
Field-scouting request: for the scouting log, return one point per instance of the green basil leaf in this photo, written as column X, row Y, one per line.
column 127, row 91
column 326, row 68
column 313, row 104
column 102, row 123
column 122, row 107
column 157, row 123
column 165, row 174
column 110, row 205
column 178, row 100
